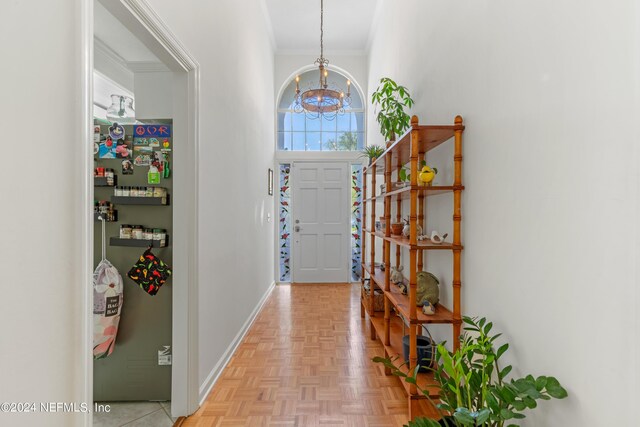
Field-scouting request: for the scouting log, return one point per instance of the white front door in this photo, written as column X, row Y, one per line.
column 321, row 229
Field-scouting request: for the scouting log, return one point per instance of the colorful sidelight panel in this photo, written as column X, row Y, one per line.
column 284, row 229
column 356, row 222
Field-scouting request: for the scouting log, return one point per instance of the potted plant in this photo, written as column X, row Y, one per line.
column 474, row 388
column 372, row 152
column 392, row 99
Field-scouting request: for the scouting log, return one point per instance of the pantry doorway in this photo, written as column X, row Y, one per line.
column 138, row 18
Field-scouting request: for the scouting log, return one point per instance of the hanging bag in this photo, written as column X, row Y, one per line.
column 107, row 304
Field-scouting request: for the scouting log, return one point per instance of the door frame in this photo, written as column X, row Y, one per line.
column 347, row 201
column 142, row 21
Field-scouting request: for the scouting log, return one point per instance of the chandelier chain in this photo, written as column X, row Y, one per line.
column 321, row 30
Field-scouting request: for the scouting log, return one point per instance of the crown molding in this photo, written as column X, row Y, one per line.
column 147, row 67
column 101, row 48
column 327, row 53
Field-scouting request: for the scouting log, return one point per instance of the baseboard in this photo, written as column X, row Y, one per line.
column 213, row 376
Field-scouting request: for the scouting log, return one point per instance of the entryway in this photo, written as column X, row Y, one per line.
column 321, row 228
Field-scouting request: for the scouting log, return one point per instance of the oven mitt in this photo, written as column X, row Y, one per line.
column 149, row 272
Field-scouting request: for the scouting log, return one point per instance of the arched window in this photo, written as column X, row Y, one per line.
column 297, row 132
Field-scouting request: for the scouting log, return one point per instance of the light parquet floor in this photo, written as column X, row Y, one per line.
column 306, row 361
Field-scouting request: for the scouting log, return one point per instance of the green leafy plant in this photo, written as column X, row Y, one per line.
column 404, row 175
column 392, row 100
column 372, row 152
column 474, row 388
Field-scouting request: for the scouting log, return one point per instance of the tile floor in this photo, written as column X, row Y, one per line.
column 134, row 414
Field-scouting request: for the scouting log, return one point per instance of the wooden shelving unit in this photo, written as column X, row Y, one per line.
column 401, row 311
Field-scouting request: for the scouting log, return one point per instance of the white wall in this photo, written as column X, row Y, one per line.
column 41, row 183
column 550, row 168
column 153, row 95
column 229, row 40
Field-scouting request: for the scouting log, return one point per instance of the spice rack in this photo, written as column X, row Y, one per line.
column 101, row 181
column 389, row 327
column 153, row 196
column 152, row 201
column 138, row 243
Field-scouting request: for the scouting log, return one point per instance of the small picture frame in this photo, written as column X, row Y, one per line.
column 270, row 182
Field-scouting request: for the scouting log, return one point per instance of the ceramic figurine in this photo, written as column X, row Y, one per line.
column 428, row 309
column 396, row 275
column 403, row 288
column 438, row 239
column 426, row 175
column 406, row 231
column 428, row 290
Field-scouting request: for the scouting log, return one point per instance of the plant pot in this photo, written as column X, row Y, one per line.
column 396, row 228
column 425, row 351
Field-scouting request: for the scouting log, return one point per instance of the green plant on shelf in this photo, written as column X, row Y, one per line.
column 392, row 99
column 372, row 152
column 474, row 387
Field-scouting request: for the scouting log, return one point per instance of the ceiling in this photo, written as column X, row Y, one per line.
column 110, row 31
column 296, row 24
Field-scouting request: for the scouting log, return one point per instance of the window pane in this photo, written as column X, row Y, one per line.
column 357, row 122
column 298, row 122
column 281, row 141
column 344, row 122
column 297, row 141
column 284, row 140
column 313, row 141
column 347, row 141
column 360, row 137
column 313, row 125
column 284, row 123
column 328, row 125
column 329, row 141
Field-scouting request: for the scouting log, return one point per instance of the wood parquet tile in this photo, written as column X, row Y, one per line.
column 306, row 361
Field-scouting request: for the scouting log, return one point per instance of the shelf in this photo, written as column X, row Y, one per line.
column 137, row 243
column 425, row 245
column 100, row 181
column 429, row 137
column 96, row 215
column 152, row 201
column 405, row 193
column 402, row 304
column 393, row 351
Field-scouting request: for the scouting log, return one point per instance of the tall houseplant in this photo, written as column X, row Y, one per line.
column 392, row 99
column 474, row 389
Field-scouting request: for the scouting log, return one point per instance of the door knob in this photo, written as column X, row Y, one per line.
column 297, row 228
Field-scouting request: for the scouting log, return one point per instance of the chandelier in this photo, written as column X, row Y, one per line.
column 323, row 101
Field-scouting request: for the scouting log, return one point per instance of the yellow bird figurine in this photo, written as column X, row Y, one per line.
column 425, row 177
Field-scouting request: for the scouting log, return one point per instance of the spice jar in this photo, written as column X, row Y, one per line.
column 108, row 173
column 136, row 232
column 125, row 231
column 149, row 192
column 147, row 234
column 160, row 234
column 126, row 191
